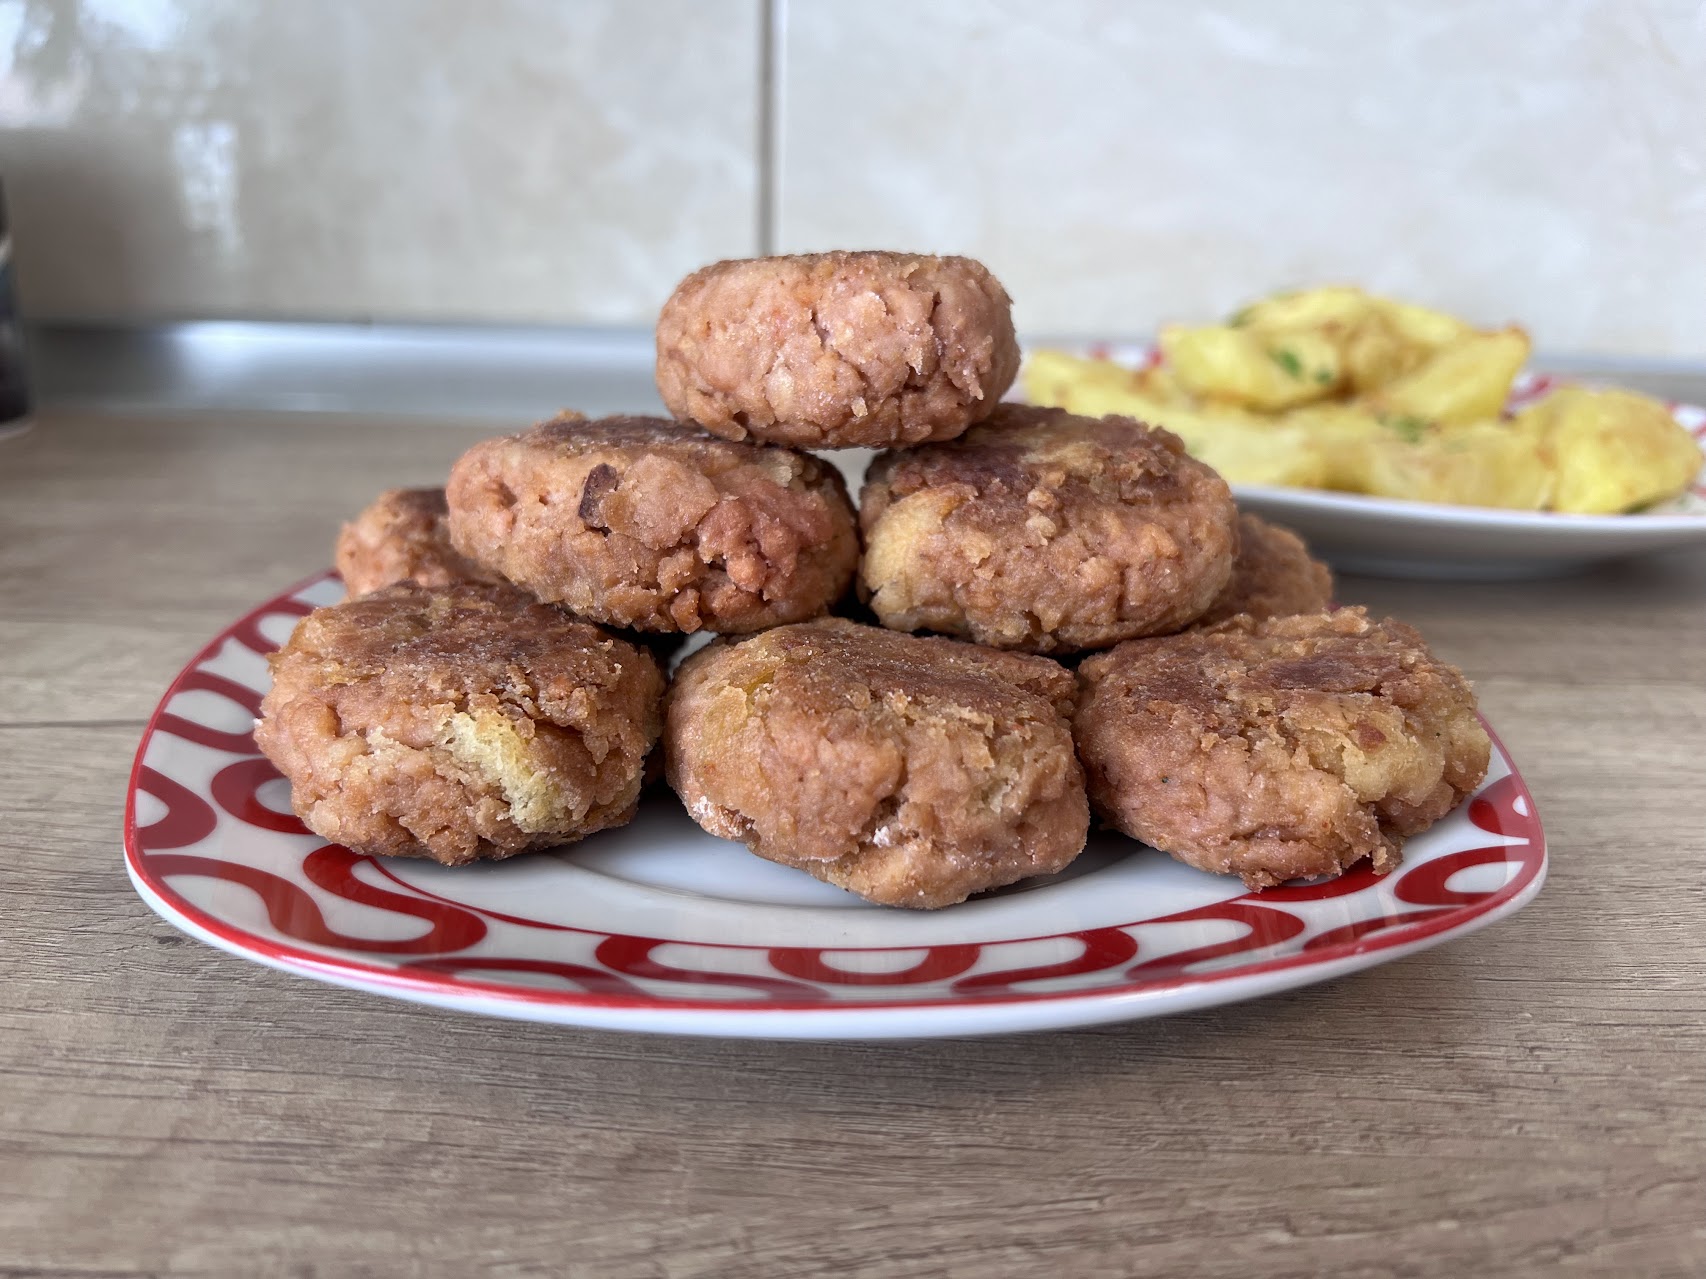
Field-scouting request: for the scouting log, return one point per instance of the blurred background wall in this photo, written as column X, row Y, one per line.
column 1117, row 164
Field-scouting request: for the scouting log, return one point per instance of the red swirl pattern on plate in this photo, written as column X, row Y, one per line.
column 940, row 963
column 594, row 981
column 632, row 957
column 1104, row 948
column 246, row 699
column 1429, row 883
column 1264, row 927
column 1357, row 879
column 188, row 818
column 248, row 632
column 294, row 912
column 236, row 789
column 323, row 910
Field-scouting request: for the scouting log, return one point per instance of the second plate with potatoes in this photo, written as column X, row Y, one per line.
column 1411, row 529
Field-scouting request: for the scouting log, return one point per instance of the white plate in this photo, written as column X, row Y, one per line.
column 1390, row 538
column 1385, row 537
column 661, row 927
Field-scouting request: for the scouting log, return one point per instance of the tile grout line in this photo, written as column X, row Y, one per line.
column 771, row 19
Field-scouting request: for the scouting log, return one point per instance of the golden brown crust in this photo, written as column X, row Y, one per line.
column 645, row 523
column 402, row 537
column 1046, row 532
column 911, row 771
column 1273, row 576
column 1279, row 749
column 836, row 350
column 458, row 722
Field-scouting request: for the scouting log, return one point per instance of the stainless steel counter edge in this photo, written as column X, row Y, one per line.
column 455, row 373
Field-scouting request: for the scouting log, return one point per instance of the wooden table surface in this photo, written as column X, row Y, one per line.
column 1529, row 1100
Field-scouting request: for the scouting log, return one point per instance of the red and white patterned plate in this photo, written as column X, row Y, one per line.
column 661, row 927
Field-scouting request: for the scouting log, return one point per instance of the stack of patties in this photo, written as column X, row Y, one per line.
column 470, row 702
column 917, row 771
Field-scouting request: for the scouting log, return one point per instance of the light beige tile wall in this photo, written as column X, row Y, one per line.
column 1119, row 163
column 521, row 160
column 1116, row 163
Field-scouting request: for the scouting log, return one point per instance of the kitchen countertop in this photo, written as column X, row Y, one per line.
column 1531, row 1099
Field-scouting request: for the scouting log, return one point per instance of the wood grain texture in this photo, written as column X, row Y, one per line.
column 1529, row 1100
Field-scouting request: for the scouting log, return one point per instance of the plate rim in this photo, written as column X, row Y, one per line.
column 1325, row 501
column 784, row 1018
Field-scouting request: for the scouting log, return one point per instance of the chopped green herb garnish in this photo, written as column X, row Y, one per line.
column 1405, row 426
column 1240, row 318
column 1287, row 360
column 1323, row 376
